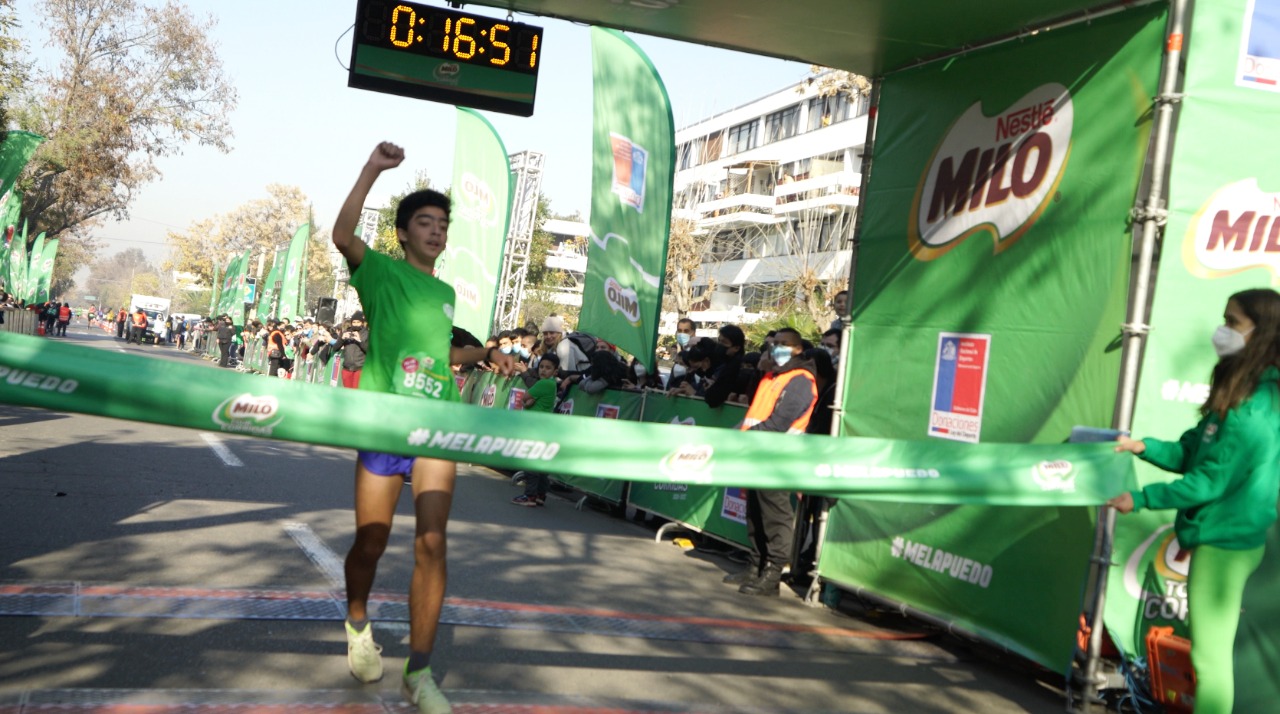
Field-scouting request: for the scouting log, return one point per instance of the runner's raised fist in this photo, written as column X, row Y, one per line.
column 386, row 156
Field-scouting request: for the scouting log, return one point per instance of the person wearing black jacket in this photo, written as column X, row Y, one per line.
column 354, row 344
column 226, row 333
column 724, row 380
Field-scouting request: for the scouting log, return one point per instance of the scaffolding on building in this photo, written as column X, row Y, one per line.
column 527, row 168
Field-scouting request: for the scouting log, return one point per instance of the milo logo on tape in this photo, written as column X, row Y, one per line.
column 248, row 414
column 691, row 463
column 1236, row 229
column 1055, row 476
column 993, row 174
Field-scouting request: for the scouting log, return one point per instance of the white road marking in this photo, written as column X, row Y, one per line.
column 331, row 566
column 318, row 552
column 221, row 450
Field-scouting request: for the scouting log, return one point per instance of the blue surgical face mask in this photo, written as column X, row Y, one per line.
column 524, row 353
column 682, row 339
column 781, row 355
column 505, row 350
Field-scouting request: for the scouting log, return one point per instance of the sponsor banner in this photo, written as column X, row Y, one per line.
column 45, row 274
column 15, row 151
column 998, row 212
column 291, row 276
column 1258, row 64
column 959, row 384
column 633, row 159
column 1221, row 237
column 734, row 506
column 481, row 193
column 972, row 566
column 611, row 448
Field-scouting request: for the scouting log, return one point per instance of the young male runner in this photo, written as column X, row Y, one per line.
column 410, row 318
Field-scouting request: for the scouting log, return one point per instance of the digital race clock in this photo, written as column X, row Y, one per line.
column 441, row 55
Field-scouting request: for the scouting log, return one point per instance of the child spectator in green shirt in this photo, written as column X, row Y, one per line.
column 541, row 397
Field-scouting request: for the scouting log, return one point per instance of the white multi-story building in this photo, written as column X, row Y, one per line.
column 772, row 187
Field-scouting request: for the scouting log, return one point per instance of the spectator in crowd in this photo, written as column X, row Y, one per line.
column 275, row 352
column 49, row 316
column 686, row 333
column 572, row 359
column 840, row 303
column 541, row 397
column 640, row 378
column 226, row 333
column 697, row 366
column 64, row 318
column 831, row 343
column 180, row 332
column 724, row 380
column 138, row 330
column 783, row 403
column 355, row 346
column 122, row 318
column 825, row 377
column 606, row 371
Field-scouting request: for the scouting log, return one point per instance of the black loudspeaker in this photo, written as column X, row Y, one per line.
column 326, row 309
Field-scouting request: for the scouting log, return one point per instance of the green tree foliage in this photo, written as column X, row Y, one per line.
column 262, row 225
column 114, row 278
column 136, row 82
column 13, row 70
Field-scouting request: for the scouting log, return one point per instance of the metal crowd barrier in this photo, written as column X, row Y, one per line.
column 23, row 322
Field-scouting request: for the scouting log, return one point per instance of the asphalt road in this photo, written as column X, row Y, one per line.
column 173, row 570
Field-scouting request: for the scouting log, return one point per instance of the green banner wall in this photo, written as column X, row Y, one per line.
column 481, row 193
column 718, row 511
column 633, row 165
column 291, row 285
column 1222, row 236
column 54, row 375
column 609, row 404
column 989, row 291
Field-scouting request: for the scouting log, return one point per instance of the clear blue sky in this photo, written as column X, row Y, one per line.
column 297, row 123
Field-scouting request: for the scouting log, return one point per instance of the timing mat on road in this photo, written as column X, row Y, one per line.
column 73, row 599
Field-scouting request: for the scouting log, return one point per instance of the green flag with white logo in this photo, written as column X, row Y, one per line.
column 988, row 297
column 267, row 302
column 18, row 264
column 633, row 163
column 291, row 279
column 15, row 152
column 42, row 264
column 32, row 281
column 481, row 193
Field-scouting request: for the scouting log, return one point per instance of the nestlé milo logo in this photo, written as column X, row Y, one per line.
column 690, row 463
column 993, row 175
column 249, row 414
column 1238, row 228
column 1055, row 476
column 622, row 300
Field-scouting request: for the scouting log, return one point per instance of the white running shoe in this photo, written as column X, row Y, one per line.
column 364, row 656
column 421, row 691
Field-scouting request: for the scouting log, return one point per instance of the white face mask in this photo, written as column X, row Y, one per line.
column 641, row 370
column 1227, row 341
column 678, row 370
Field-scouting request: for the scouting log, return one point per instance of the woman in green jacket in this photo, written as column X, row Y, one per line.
column 1226, row 498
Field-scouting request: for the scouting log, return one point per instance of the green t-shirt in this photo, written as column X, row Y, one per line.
column 410, row 318
column 543, row 392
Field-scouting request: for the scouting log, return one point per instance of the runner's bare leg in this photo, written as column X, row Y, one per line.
column 433, row 483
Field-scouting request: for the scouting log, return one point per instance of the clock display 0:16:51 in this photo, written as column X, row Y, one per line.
column 441, row 33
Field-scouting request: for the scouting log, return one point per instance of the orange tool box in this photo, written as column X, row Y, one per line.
column 1173, row 680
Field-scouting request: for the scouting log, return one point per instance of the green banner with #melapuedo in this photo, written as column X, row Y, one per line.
column 52, row 375
column 988, row 298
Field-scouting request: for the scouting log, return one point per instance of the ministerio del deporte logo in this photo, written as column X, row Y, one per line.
column 993, row 175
